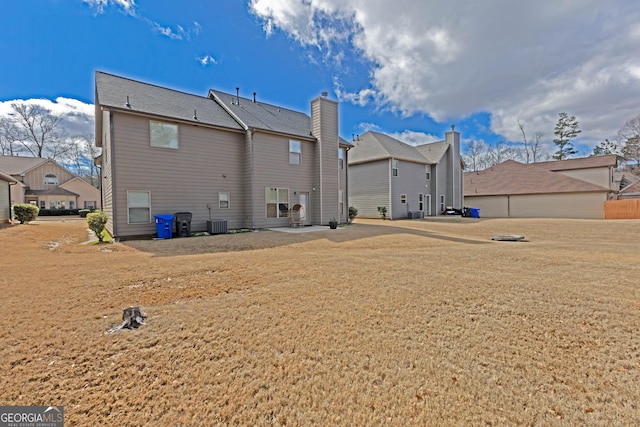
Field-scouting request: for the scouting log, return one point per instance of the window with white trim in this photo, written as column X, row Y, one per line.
column 51, row 179
column 442, row 203
column 295, row 152
column 340, row 158
column 223, row 200
column 427, row 172
column 394, row 167
column 277, row 202
column 341, row 201
column 420, row 201
column 139, row 207
column 163, row 135
column 403, row 199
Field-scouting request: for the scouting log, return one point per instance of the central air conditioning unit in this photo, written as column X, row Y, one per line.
column 217, row 226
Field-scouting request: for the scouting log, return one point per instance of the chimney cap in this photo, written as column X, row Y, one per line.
column 325, row 94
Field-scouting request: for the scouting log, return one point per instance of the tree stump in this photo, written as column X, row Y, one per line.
column 132, row 318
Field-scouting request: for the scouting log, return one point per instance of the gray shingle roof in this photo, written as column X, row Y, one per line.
column 511, row 177
column 579, row 163
column 372, row 146
column 434, row 151
column 56, row 191
column 265, row 116
column 112, row 91
column 17, row 165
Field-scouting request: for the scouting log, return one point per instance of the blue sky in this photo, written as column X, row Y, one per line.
column 407, row 68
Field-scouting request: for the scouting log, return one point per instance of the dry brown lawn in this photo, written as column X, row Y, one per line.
column 380, row 323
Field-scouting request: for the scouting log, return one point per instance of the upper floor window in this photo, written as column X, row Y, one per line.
column 427, row 171
column 340, row 158
column 394, row 167
column 295, row 151
column 403, row 199
column 164, row 135
column 51, row 179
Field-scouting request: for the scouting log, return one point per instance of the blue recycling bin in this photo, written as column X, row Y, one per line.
column 164, row 226
column 475, row 212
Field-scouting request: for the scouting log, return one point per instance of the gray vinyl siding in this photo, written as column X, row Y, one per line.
column 4, row 201
column 272, row 169
column 107, row 172
column 410, row 181
column 324, row 126
column 369, row 187
column 440, row 187
column 187, row 179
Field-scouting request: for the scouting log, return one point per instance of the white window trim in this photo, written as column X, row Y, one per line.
column 427, row 170
column 395, row 171
column 220, row 200
column 403, row 199
column 278, row 202
column 129, row 206
column 292, row 151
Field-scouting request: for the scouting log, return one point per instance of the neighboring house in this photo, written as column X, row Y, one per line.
column 219, row 157
column 6, row 182
column 48, row 185
column 409, row 181
column 630, row 191
column 574, row 188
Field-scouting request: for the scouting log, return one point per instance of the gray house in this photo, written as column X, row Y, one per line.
column 221, row 157
column 410, row 181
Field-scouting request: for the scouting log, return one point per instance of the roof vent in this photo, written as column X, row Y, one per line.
column 195, row 115
column 325, row 94
column 254, row 97
column 128, row 105
column 237, row 96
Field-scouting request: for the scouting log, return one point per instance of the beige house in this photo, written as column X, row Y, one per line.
column 573, row 188
column 48, row 185
column 409, row 181
column 6, row 182
column 221, row 157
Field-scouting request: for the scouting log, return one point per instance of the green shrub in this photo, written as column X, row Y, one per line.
column 97, row 221
column 353, row 212
column 382, row 210
column 25, row 212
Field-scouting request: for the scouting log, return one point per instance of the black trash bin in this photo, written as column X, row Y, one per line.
column 183, row 224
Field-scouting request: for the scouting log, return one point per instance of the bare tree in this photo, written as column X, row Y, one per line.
column 8, row 137
column 537, row 154
column 476, row 151
column 502, row 151
column 630, row 136
column 38, row 130
column 532, row 149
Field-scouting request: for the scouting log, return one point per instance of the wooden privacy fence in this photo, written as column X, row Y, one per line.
column 622, row 209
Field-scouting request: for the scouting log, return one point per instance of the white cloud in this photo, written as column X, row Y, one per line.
column 524, row 61
column 415, row 138
column 206, row 60
column 127, row 6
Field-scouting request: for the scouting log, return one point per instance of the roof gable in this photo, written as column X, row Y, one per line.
column 434, row 151
column 511, row 178
column 373, row 146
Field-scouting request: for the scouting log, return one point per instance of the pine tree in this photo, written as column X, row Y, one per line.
column 566, row 129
